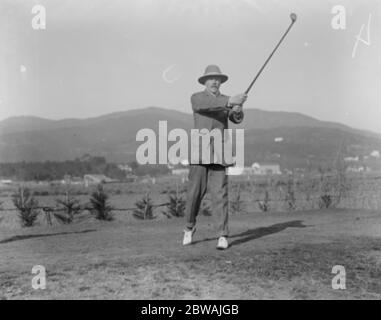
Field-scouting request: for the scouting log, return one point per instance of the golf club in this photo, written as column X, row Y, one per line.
column 293, row 17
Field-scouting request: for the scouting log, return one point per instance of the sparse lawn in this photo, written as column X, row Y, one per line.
column 273, row 256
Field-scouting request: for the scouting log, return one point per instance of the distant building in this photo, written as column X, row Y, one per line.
column 358, row 169
column 256, row 169
column 375, row 154
column 125, row 167
column 183, row 173
column 68, row 179
column 180, row 172
column 6, row 181
column 265, row 168
column 171, row 163
column 130, row 178
column 95, row 179
column 147, row 179
column 236, row 171
column 351, row 159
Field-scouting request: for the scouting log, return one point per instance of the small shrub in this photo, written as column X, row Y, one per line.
column 176, row 205
column 264, row 205
column 70, row 207
column 290, row 195
column 325, row 198
column 280, row 183
column 325, row 201
column 144, row 208
column 48, row 215
column 99, row 204
column 1, row 208
column 26, row 205
column 341, row 183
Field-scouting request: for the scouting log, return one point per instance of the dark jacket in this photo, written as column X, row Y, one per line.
column 210, row 112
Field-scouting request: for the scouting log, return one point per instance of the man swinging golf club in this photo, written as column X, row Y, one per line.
column 211, row 110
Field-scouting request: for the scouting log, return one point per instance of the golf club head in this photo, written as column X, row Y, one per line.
column 293, row 17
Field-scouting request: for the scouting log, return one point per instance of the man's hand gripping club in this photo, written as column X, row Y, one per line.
column 235, row 102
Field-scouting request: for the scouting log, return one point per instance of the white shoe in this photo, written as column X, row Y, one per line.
column 222, row 243
column 188, row 236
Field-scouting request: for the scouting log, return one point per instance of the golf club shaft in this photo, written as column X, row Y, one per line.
column 268, row 59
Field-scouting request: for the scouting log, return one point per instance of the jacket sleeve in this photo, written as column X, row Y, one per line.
column 202, row 104
column 236, row 117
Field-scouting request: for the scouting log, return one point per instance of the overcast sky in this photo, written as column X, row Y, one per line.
column 101, row 56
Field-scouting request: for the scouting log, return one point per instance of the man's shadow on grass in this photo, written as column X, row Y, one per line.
column 29, row 236
column 257, row 233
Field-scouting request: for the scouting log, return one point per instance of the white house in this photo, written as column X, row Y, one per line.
column 358, row 169
column 375, row 154
column 180, row 172
column 255, row 169
column 265, row 168
column 6, row 181
column 95, row 179
column 125, row 167
column 351, row 159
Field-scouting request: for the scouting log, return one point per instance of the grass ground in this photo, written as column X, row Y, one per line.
column 272, row 256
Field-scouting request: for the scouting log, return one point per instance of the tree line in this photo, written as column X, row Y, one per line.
column 57, row 170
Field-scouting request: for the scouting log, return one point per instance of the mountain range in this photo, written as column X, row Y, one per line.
column 291, row 139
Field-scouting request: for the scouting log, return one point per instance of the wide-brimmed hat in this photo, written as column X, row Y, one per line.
column 212, row 71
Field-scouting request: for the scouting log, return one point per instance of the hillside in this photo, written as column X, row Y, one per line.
column 113, row 136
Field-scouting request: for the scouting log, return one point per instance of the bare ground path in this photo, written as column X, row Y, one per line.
column 272, row 256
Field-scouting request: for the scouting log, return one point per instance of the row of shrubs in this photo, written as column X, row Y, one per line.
column 325, row 192
column 99, row 205
column 28, row 207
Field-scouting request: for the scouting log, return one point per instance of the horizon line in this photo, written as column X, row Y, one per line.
column 179, row 111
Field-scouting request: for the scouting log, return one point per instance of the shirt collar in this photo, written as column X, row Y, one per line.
column 211, row 93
